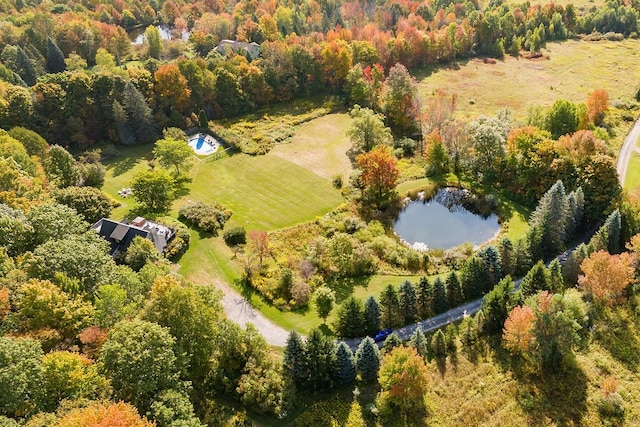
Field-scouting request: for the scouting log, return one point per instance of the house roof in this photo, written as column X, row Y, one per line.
column 119, row 232
column 120, row 235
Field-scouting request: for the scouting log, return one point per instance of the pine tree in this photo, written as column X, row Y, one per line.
column 451, row 335
column 390, row 307
column 371, row 315
column 139, row 115
column 535, row 242
column 440, row 304
column 391, row 342
column 522, row 257
column 497, row 304
column 576, row 207
column 345, row 364
column 351, row 322
column 439, row 345
column 425, row 298
column 55, row 57
column 294, row 362
column 321, row 360
column 536, row 280
column 419, row 342
column 556, row 281
column 368, row 359
column 454, row 290
column 408, row 302
column 571, row 267
column 25, row 66
column 507, row 257
column 468, row 332
column 203, row 121
column 473, row 277
column 355, row 418
column 492, row 265
column 125, row 134
column 613, row 226
column 552, row 215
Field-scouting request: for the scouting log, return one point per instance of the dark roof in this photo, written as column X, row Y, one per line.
column 119, row 233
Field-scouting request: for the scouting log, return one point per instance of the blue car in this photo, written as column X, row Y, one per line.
column 380, row 336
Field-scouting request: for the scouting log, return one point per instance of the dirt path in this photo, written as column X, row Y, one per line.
column 239, row 310
column 628, row 147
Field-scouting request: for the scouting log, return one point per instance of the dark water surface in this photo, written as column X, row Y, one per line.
column 438, row 227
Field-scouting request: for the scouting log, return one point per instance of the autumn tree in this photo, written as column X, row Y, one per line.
column 367, row 130
column 172, row 153
column 152, row 37
column 258, row 242
column 324, row 298
column 605, row 277
column 98, row 414
column 403, row 381
column 172, row 87
column 400, row 101
column 597, row 106
column 379, row 173
column 518, row 329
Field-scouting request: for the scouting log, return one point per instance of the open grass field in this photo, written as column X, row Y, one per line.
column 632, row 180
column 264, row 192
column 575, row 69
column 320, row 146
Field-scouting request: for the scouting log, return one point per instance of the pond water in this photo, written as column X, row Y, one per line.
column 443, row 223
column 166, row 33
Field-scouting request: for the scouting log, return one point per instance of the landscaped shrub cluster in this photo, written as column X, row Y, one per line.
column 235, row 235
column 208, row 218
column 180, row 242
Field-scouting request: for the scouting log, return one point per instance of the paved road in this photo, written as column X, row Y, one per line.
column 627, row 149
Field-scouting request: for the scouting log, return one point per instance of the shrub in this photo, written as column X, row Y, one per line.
column 180, row 242
column 301, row 293
column 337, row 181
column 236, row 235
column 209, row 218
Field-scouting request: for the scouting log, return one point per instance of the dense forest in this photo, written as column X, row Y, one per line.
column 87, row 339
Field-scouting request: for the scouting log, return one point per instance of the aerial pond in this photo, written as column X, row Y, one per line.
column 443, row 222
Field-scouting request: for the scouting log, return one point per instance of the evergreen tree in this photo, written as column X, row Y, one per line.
column 55, row 57
column 571, row 267
column 599, row 241
column 390, row 307
column 507, row 257
column 522, row 255
column 320, row 360
column 408, row 302
column 26, row 69
column 439, row 345
column 497, row 304
column 139, row 115
column 294, row 363
column 391, row 342
column 203, row 121
column 468, row 332
column 454, row 290
column 351, row 319
column 536, row 280
column 535, row 243
column 419, row 342
column 613, row 225
column 576, row 210
column 492, row 265
column 345, row 364
column 556, row 281
column 368, row 359
column 425, row 298
column 451, row 335
column 473, row 277
column 440, row 304
column 372, row 315
column 125, row 134
column 552, row 216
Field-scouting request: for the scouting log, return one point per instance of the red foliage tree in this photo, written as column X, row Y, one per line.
column 379, row 172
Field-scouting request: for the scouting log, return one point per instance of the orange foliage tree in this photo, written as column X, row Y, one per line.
column 518, row 329
column 606, row 276
column 597, row 106
column 172, row 85
column 403, row 379
column 104, row 415
column 5, row 306
column 379, row 172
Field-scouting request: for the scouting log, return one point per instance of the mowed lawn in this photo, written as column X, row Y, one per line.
column 575, row 69
column 320, row 146
column 632, row 180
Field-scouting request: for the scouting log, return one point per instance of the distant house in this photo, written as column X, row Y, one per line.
column 121, row 234
column 252, row 50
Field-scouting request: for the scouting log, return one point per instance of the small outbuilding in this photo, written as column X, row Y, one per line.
column 252, row 50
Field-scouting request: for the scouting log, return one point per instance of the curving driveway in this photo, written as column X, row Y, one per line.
column 626, row 151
